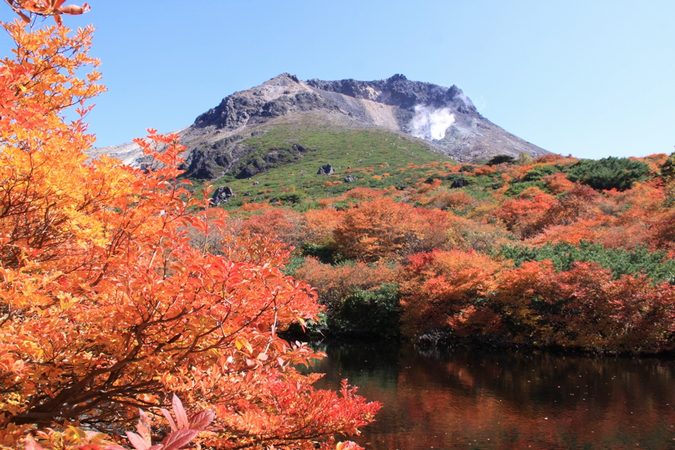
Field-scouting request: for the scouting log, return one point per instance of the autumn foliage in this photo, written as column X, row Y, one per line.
column 517, row 254
column 385, row 229
column 459, row 255
column 120, row 288
column 55, row 8
column 106, row 303
column 472, row 296
column 447, row 290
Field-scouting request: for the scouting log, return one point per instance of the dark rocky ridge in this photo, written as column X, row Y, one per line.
column 399, row 91
column 444, row 117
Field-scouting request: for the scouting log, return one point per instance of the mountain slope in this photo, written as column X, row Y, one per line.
column 442, row 119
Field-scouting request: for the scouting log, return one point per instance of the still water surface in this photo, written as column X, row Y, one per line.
column 507, row 400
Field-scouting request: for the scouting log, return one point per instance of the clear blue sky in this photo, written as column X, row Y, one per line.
column 590, row 78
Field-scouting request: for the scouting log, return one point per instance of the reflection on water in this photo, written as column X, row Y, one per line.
column 475, row 400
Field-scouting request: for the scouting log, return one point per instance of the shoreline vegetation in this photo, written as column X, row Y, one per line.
column 554, row 253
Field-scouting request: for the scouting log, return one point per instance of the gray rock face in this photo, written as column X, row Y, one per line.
column 326, row 169
column 278, row 97
column 401, row 92
column 444, row 117
column 350, row 179
column 222, row 195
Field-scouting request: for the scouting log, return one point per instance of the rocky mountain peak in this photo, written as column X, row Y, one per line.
column 444, row 117
column 400, row 92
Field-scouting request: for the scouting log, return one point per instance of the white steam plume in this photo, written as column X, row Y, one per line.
column 430, row 124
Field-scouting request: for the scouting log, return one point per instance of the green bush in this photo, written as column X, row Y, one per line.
column 668, row 167
column 538, row 173
column 290, row 197
column 608, row 173
column 293, row 264
column 327, row 254
column 619, row 261
column 365, row 312
column 517, row 188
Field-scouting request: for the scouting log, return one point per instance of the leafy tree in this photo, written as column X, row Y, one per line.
column 668, row 167
column 608, row 173
column 525, row 216
column 585, row 307
column 558, row 183
column 280, row 222
column 517, row 188
column 107, row 305
column 373, row 312
column 501, row 159
column 54, row 8
column 524, row 159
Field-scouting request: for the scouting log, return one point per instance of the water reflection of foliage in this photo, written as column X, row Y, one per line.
column 509, row 400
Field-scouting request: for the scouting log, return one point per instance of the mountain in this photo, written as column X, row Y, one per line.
column 442, row 119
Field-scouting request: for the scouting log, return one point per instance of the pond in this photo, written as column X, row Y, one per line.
column 468, row 399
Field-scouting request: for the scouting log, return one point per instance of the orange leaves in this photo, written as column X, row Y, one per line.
column 584, row 307
column 439, row 289
column 447, row 199
column 484, row 170
column 43, row 74
column 385, row 229
column 303, row 406
column 471, row 296
column 524, row 216
column 317, row 225
column 558, row 183
column 106, row 305
column 283, row 223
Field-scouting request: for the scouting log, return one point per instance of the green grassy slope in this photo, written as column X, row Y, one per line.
column 377, row 158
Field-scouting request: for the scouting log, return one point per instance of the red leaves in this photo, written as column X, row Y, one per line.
column 178, row 439
column 138, row 442
column 182, row 431
column 106, row 304
column 470, row 295
column 439, row 289
column 385, row 229
column 179, row 412
column 201, row 420
column 525, row 215
column 46, row 8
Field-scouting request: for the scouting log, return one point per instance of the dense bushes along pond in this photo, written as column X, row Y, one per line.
column 552, row 253
column 559, row 296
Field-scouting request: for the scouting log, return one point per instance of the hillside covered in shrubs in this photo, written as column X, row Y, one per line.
column 555, row 252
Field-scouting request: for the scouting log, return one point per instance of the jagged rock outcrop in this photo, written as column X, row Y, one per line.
column 401, row 92
column 443, row 117
column 326, row 169
column 221, row 195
